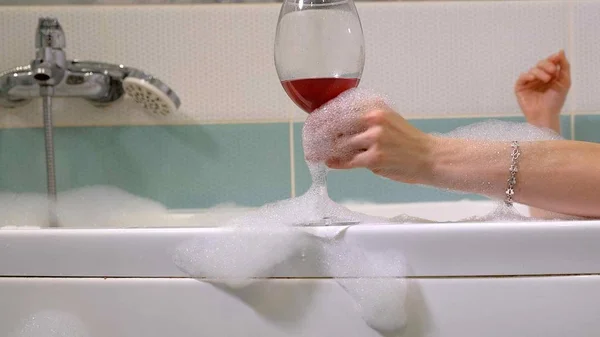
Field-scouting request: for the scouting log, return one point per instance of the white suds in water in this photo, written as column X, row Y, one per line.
column 106, row 206
column 52, row 324
column 277, row 233
column 256, row 243
column 93, row 206
column 496, row 130
column 374, row 280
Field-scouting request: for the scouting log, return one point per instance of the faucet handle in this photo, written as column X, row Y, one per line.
column 49, row 34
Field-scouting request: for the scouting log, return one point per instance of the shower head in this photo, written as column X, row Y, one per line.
column 155, row 96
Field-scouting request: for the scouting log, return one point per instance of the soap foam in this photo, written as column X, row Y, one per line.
column 23, row 210
column 497, row 130
column 92, row 206
column 238, row 254
column 277, row 233
column 379, row 301
column 253, row 244
column 52, row 323
column 502, row 212
column 374, row 280
column 107, row 206
column 337, row 120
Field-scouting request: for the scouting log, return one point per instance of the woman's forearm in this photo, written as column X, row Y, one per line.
column 560, row 176
column 551, row 121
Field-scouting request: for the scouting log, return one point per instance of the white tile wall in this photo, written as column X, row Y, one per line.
column 586, row 69
column 435, row 59
column 458, row 58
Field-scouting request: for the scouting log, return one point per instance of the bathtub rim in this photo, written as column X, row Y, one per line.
column 431, row 250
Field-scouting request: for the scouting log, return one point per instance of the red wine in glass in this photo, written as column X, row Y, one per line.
column 319, row 50
column 311, row 93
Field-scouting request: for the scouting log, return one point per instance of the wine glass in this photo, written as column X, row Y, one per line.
column 319, row 53
column 319, row 50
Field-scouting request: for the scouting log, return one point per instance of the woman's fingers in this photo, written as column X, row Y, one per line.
column 366, row 139
column 563, row 62
column 541, row 74
column 565, row 66
column 547, row 66
column 524, row 79
column 355, row 151
column 361, row 159
column 346, row 148
column 556, row 66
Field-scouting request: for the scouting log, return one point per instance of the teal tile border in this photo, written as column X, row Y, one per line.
column 198, row 166
column 587, row 128
column 192, row 166
column 362, row 185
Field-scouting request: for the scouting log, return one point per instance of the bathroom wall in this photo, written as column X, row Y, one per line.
column 237, row 137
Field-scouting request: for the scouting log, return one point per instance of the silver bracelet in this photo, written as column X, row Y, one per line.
column 514, row 168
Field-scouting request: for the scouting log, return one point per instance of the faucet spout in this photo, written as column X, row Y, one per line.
column 51, row 62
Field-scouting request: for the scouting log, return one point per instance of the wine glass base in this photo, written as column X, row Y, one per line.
column 328, row 221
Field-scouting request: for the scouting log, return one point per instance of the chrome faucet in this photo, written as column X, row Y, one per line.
column 50, row 74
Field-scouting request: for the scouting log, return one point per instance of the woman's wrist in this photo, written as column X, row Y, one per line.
column 442, row 156
column 469, row 166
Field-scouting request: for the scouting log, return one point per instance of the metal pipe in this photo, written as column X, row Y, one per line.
column 46, row 93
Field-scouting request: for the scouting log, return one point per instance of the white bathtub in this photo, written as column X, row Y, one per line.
column 465, row 280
